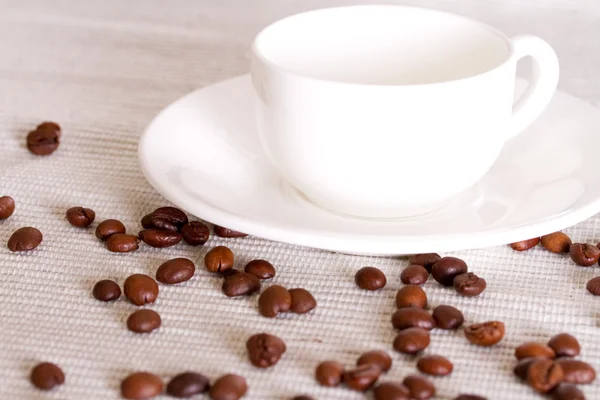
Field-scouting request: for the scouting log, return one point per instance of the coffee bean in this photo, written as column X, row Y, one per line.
column 195, row 233
column 122, row 243
column 593, row 286
column 80, row 217
column 412, row 317
column 485, row 334
column 584, row 254
column 109, row 227
column 187, row 384
column 149, row 221
column 329, row 373
column 535, row 350
column 141, row 385
column 46, row 376
column 229, row 387
column 556, row 242
column 264, row 350
column 564, row 345
column 165, row 218
column 544, row 374
column 274, row 300
column 391, row 391
column 303, row 397
column 411, row 296
column 159, row 238
column 240, row 284
column 576, row 371
column 435, row 366
column 219, row 259
column 143, row 321
column 420, row 388
column 525, row 244
column 565, row 391
column 175, row 271
column 140, row 289
column 412, row 340
column 469, row 284
column 427, row 260
column 302, row 301
column 370, row 278
column 414, row 275
column 522, row 367
column 376, row 357
column 470, row 397
column 44, row 139
column 7, row 207
column 447, row 317
column 106, row 290
column 24, row 239
column 228, row 272
column 228, row 233
column 262, row 269
column 362, row 377
column 446, row 269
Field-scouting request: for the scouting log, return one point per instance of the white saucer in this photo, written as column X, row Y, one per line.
column 202, row 153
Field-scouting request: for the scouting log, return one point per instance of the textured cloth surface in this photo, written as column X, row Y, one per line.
column 103, row 69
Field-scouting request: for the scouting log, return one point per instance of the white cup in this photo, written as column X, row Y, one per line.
column 388, row 111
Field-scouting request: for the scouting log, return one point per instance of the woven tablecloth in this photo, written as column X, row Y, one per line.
column 103, row 69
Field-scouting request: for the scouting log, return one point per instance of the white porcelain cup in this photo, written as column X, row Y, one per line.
column 388, row 111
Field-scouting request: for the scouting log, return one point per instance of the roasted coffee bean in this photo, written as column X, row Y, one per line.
column 262, row 269
column 362, row 377
column 106, row 290
column 564, row 345
column 7, row 207
column 264, row 350
column 175, row 271
column 556, row 242
column 522, row 367
column 411, row 296
column 240, row 284
column 376, row 357
column 544, row 374
column 141, row 385
column 143, row 321
column 274, row 300
column 80, row 217
column 420, row 388
column 228, row 272
column 470, row 397
column 219, row 259
column 584, row 254
column 469, row 284
column 25, row 239
column 447, row 268
column 140, row 289
column 447, row 317
column 564, row 391
column 525, row 244
column 412, row 317
column 122, row 243
column 412, row 340
column 391, row 391
column 228, row 233
column 109, row 227
column 485, row 334
column 165, row 218
column 149, row 221
column 576, row 371
column 427, row 260
column 593, row 286
column 46, row 376
column 302, row 301
column 195, row 233
column 44, row 139
column 229, row 387
column 414, row 275
column 435, row 365
column 370, row 278
column 535, row 350
column 303, row 397
column 159, row 238
column 329, row 373
column 187, row 384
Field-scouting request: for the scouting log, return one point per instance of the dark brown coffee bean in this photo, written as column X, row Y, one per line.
column 391, row 391
column 435, row 365
column 264, row 350
column 165, row 218
column 140, row 289
column 159, row 238
column 485, row 334
column 240, row 284
column 420, row 388
column 535, row 350
column 149, row 221
column 25, row 239
column 544, row 374
column 122, row 243
column 141, row 385
column 565, row 345
column 412, row 340
column 427, row 260
column 470, row 397
column 584, row 254
column 80, row 217
column 7, row 207
column 106, row 290
column 469, row 284
column 195, row 233
column 175, row 271
column 414, row 275
column 229, row 387
column 447, row 317
column 302, row 301
column 303, row 397
column 46, row 376
column 412, row 317
column 362, row 377
column 522, row 367
column 564, row 391
column 411, row 296
column 274, row 300
column 556, row 242
column 44, row 139
column 370, row 278
column 262, row 269
column 576, row 371
column 446, row 269
column 109, row 227
column 219, row 259
column 377, row 357
column 329, row 373
column 593, row 286
column 525, row 244
column 228, row 233
column 228, row 272
column 143, row 321
column 187, row 384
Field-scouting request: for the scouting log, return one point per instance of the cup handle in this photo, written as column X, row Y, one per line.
column 543, row 85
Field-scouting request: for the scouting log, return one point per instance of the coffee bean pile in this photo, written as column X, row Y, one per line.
column 362, row 377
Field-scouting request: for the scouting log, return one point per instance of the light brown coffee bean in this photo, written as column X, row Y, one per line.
column 447, row 317
column 159, row 238
column 274, row 300
column 240, row 284
column 447, row 268
column 420, row 388
column 219, row 259
column 584, row 254
column 143, row 321
column 412, row 340
column 109, row 227
column 414, row 275
column 187, row 384
column 427, row 260
column 435, row 365
column 556, row 242
column 80, row 217
column 7, row 207
column 376, row 357
column 564, row 391
column 525, row 244
column 302, row 301
column 412, row 317
column 469, row 284
column 140, row 289
column 370, row 278
column 544, row 375
column 25, row 239
column 176, row 270
column 122, row 243
column 195, row 233
column 565, row 345
column 265, row 350
column 229, row 387
column 47, row 375
column 141, row 385
column 106, row 290
column 576, row 371
column 485, row 334
column 262, row 269
column 228, row 233
column 362, row 377
column 411, row 296
column 535, row 350
column 391, row 391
